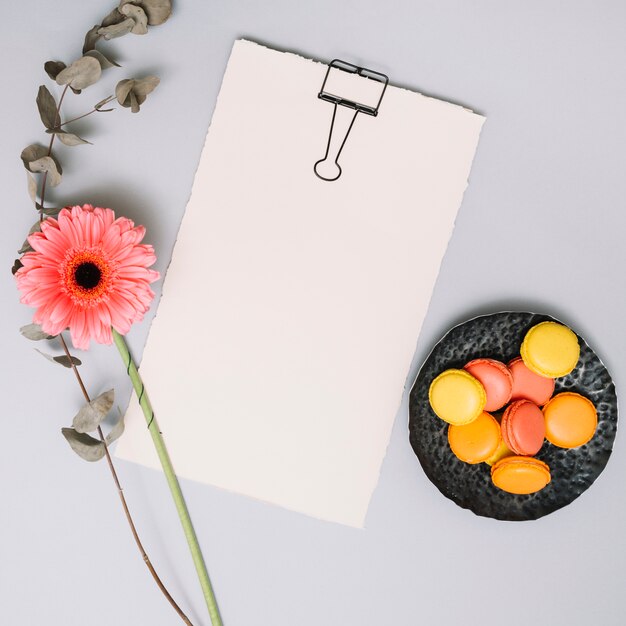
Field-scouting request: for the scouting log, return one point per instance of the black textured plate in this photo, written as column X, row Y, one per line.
column 499, row 336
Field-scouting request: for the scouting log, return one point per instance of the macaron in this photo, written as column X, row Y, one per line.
column 529, row 386
column 477, row 441
column 520, row 474
column 523, row 427
column 550, row 349
column 571, row 420
column 496, row 378
column 457, row 397
column 501, row 452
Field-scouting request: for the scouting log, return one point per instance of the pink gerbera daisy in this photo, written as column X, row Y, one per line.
column 87, row 272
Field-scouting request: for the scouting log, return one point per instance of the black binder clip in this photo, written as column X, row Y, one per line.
column 328, row 168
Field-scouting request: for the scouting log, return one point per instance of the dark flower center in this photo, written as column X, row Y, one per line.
column 87, row 275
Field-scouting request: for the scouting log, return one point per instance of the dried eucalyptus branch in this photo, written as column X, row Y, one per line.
column 129, row 17
column 89, row 418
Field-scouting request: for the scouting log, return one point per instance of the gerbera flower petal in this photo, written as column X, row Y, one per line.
column 48, row 247
column 68, row 227
column 140, row 254
column 125, row 224
column 107, row 215
column 62, row 311
column 88, row 272
column 124, row 245
column 77, row 329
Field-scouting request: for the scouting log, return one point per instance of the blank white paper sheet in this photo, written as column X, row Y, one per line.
column 292, row 306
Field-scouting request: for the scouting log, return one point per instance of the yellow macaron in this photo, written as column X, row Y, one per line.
column 457, row 397
column 501, row 452
column 550, row 349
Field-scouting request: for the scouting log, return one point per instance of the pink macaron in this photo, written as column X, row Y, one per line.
column 496, row 378
column 523, row 427
column 529, row 386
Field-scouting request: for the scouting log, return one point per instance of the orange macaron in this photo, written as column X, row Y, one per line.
column 523, row 427
column 477, row 441
column 571, row 420
column 527, row 385
column 496, row 378
column 521, row 475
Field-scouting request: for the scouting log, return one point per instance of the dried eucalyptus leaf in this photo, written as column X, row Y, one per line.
column 56, row 162
column 80, row 74
column 105, row 63
column 32, row 153
column 76, row 91
column 32, row 186
column 26, row 247
column 85, row 446
column 122, row 89
column 134, row 105
column 116, row 432
column 49, row 211
column 114, row 17
column 34, row 332
column 69, row 139
column 117, row 30
column 65, row 362
column 143, row 86
column 91, row 38
column 61, row 360
column 138, row 15
column 52, row 68
column 158, row 11
column 47, row 164
column 93, row 413
column 132, row 92
column 47, row 107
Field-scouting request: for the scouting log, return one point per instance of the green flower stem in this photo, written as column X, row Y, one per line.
column 172, row 481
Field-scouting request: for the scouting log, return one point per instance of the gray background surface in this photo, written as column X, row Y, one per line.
column 541, row 228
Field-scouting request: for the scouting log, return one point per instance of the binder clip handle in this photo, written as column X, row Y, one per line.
column 328, row 168
column 345, row 112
